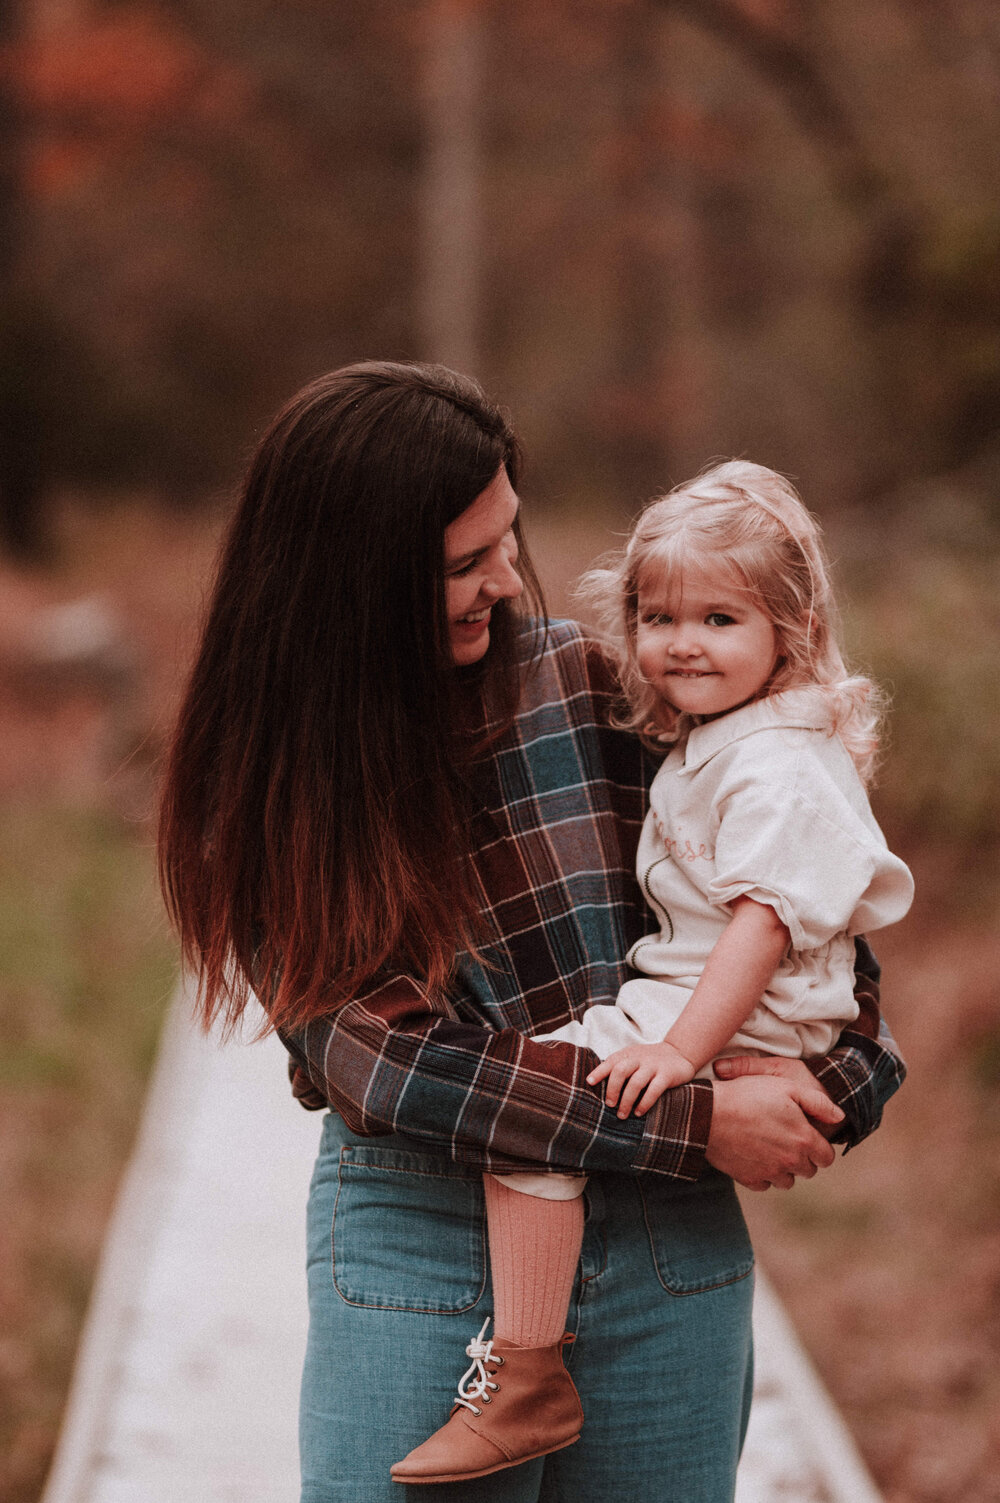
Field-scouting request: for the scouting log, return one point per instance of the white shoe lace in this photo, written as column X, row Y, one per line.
column 476, row 1382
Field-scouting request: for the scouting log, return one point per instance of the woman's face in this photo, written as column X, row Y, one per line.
column 480, row 552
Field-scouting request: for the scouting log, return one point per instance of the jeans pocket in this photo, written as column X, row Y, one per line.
column 409, row 1232
column 697, row 1234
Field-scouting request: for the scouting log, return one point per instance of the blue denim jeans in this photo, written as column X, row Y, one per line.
column 399, row 1283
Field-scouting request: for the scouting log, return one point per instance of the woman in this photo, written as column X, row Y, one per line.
column 400, row 811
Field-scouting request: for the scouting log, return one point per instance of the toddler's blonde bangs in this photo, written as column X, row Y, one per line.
column 660, row 566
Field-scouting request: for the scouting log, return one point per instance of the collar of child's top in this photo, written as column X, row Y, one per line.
column 801, row 709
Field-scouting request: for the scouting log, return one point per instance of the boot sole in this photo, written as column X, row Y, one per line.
column 486, row 1471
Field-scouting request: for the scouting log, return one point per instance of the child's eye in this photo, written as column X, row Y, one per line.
column 719, row 618
column 465, row 569
column 656, row 618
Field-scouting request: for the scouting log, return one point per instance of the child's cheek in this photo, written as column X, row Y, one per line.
column 648, row 659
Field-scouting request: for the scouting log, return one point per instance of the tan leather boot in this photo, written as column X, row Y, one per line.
column 514, row 1403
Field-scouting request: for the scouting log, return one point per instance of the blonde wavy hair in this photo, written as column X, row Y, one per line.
column 748, row 520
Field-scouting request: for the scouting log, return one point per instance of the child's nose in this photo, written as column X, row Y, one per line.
column 683, row 643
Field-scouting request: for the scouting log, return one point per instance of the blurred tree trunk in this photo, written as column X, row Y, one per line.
column 890, row 223
column 785, row 62
column 20, row 454
column 642, row 273
column 448, row 290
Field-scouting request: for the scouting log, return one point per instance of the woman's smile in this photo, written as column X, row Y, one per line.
column 480, row 558
column 468, row 629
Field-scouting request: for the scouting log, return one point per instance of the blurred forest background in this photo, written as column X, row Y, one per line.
column 662, row 231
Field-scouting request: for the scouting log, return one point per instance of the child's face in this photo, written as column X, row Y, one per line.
column 701, row 641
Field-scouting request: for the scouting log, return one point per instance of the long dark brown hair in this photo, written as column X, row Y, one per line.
column 313, row 827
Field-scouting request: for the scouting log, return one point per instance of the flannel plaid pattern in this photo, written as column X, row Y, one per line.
column 562, row 801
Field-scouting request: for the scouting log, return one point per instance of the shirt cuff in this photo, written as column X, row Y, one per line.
column 860, row 1076
column 675, row 1136
column 304, row 1091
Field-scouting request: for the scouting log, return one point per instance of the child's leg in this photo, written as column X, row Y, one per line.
column 534, row 1251
column 517, row 1401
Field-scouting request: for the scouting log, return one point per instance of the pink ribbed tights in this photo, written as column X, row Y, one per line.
column 534, row 1249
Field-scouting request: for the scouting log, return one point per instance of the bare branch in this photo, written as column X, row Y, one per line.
column 794, row 75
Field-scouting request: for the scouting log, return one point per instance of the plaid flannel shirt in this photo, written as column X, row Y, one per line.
column 563, row 796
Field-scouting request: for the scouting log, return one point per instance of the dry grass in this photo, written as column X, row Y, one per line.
column 87, row 967
column 86, row 961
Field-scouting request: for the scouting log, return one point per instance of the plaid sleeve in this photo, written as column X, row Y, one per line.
column 865, row 1069
column 392, row 1062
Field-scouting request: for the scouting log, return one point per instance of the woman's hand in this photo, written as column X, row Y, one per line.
column 774, row 1064
column 650, row 1068
column 768, row 1121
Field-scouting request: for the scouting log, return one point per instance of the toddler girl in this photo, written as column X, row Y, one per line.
column 760, row 858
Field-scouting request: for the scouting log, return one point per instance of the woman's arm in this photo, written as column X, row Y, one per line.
column 398, row 1061
column 388, row 1063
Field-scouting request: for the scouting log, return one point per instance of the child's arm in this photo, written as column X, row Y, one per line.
column 743, row 960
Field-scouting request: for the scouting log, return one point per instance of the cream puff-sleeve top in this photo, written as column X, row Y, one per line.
column 766, row 802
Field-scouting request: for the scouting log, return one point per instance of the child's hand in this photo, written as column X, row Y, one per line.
column 656, row 1067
